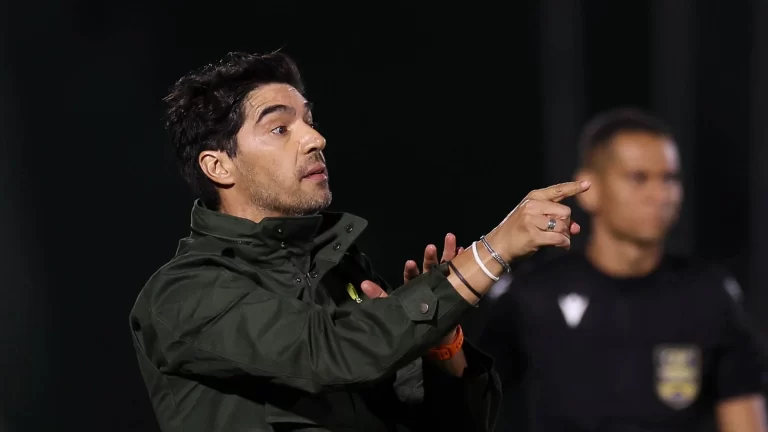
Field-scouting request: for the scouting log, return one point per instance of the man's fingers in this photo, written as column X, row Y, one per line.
column 372, row 290
column 411, row 270
column 561, row 226
column 538, row 207
column 560, row 191
column 449, row 248
column 575, row 228
column 430, row 258
column 556, row 239
column 460, row 250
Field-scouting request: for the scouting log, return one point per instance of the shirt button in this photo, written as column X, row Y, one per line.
column 282, row 245
column 348, row 228
column 313, row 274
column 337, row 246
column 297, row 280
column 423, row 308
column 279, row 230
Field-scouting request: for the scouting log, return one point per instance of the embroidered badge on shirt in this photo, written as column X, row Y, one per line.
column 678, row 374
column 573, row 306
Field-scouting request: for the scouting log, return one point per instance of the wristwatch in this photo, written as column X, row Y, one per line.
column 446, row 352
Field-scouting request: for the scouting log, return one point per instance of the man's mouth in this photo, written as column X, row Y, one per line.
column 316, row 172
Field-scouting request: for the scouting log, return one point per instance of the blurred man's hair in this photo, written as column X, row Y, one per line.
column 604, row 127
column 206, row 109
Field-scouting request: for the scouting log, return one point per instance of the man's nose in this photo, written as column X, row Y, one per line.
column 660, row 191
column 312, row 142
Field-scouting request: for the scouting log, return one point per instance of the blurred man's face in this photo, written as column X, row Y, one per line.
column 638, row 193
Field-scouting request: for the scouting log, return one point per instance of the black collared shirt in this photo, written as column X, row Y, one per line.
column 587, row 352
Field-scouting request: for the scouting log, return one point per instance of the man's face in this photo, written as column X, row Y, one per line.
column 279, row 162
column 638, row 193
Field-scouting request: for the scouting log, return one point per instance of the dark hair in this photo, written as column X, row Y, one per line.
column 205, row 109
column 604, row 127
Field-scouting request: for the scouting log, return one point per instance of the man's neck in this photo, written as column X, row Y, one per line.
column 621, row 258
column 246, row 211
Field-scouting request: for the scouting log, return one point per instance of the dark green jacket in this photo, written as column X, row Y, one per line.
column 251, row 327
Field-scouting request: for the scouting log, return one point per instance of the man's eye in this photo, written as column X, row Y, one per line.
column 638, row 177
column 280, row 130
column 313, row 125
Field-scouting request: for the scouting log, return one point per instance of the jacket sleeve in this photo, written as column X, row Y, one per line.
column 468, row 403
column 219, row 324
column 409, row 379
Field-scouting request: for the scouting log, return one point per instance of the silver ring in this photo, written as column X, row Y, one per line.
column 551, row 225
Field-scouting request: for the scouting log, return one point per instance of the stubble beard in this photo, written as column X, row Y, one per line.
column 268, row 196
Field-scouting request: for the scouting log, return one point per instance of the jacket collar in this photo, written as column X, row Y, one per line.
column 289, row 232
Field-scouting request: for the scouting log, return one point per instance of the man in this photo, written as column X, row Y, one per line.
column 624, row 337
column 259, row 322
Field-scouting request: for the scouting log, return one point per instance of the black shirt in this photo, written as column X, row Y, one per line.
column 587, row 352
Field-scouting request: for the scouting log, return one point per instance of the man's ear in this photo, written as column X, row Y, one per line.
column 589, row 200
column 217, row 166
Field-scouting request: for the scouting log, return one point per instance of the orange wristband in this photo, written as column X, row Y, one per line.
column 446, row 352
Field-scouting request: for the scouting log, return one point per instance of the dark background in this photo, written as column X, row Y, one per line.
column 438, row 119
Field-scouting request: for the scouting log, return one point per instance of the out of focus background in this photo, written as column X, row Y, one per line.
column 437, row 119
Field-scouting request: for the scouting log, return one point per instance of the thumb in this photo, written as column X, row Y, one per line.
column 372, row 290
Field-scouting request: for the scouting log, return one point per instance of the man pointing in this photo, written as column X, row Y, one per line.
column 258, row 322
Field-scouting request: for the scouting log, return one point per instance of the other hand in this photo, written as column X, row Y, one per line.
column 538, row 221
column 411, row 271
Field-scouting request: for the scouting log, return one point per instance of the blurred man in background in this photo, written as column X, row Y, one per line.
column 624, row 337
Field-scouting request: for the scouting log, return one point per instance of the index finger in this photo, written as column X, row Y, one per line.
column 560, row 191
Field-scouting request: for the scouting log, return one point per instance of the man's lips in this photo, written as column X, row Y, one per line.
column 316, row 172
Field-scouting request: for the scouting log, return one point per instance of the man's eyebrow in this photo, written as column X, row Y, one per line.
column 273, row 109
column 283, row 108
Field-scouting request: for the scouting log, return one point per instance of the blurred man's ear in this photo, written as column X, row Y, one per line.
column 588, row 200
